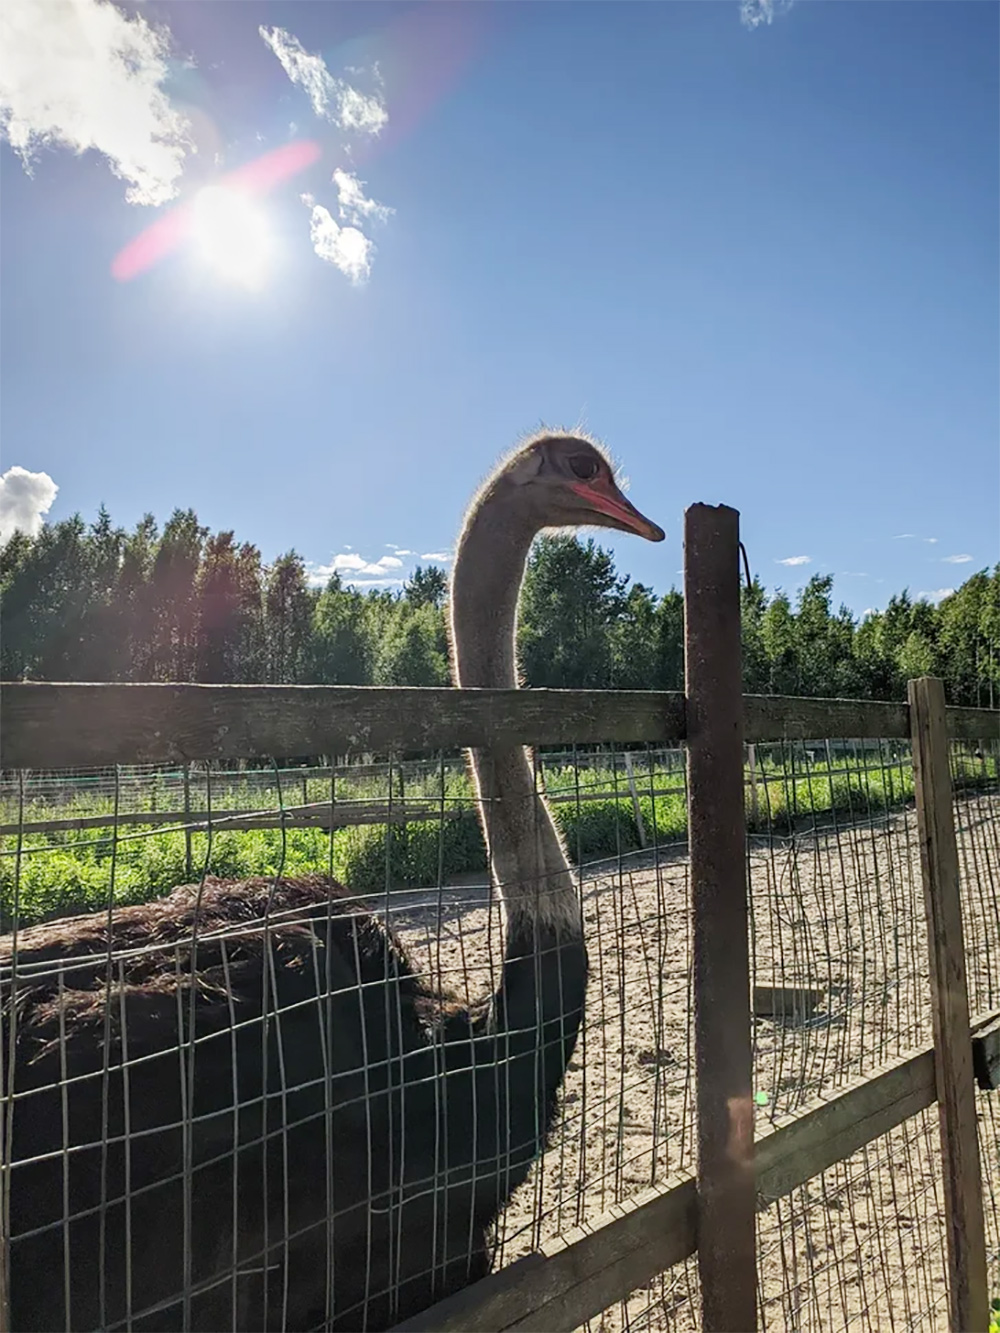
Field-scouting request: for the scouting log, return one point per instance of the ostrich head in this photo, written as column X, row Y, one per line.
column 555, row 479
column 566, row 481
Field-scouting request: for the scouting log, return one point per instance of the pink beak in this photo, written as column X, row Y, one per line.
column 604, row 496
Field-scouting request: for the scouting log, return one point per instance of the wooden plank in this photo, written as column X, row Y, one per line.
column 782, row 717
column 986, row 1055
column 754, row 798
column 721, row 954
column 317, row 816
column 786, row 1003
column 831, row 1128
column 571, row 1280
column 314, row 815
column 577, row 1276
column 973, row 724
column 963, row 1202
column 51, row 726
column 636, row 808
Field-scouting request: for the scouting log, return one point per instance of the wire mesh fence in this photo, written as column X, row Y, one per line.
column 238, row 1105
column 978, row 830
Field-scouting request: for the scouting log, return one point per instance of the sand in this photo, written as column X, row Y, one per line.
column 837, row 910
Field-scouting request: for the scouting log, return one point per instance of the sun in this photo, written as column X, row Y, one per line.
column 232, row 235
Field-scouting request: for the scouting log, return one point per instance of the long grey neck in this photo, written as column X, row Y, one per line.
column 527, row 861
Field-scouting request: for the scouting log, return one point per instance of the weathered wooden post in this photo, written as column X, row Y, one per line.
column 717, row 842
column 754, row 802
column 187, row 820
column 963, row 1197
column 636, row 807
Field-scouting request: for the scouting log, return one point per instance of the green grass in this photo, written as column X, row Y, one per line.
column 77, row 871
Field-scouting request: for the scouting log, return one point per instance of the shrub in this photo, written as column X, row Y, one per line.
column 597, row 828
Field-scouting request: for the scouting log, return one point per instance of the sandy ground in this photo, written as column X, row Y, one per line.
column 837, row 910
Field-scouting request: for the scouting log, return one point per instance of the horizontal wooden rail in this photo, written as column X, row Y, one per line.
column 51, row 726
column 88, row 726
column 573, row 1279
column 344, row 815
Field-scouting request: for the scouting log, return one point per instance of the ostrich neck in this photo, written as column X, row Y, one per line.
column 527, row 861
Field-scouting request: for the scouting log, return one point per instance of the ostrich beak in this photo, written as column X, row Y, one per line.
column 604, row 496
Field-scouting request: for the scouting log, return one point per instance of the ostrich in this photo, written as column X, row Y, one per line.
column 239, row 1106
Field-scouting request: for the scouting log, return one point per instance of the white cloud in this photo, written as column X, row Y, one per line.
column 755, row 12
column 350, row 566
column 932, row 540
column 345, row 247
column 436, row 555
column 905, row 536
column 401, row 551
column 936, row 595
column 80, row 74
column 795, row 560
column 332, row 99
column 956, row 559
column 344, row 562
column 24, row 498
column 354, row 206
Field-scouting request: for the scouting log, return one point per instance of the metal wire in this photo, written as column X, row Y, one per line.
column 324, row 1048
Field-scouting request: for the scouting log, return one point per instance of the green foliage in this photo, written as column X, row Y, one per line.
column 410, row 647
column 78, row 870
column 427, row 587
column 99, row 603
column 340, row 652
column 570, row 602
column 367, row 857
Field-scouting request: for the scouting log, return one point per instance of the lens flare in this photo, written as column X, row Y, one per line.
column 203, row 221
column 231, row 235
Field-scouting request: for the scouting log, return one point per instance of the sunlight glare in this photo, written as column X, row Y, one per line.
column 232, row 234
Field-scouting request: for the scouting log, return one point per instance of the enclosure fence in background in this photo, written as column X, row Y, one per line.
column 837, row 1001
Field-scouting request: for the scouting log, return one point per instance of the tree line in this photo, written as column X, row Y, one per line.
column 97, row 602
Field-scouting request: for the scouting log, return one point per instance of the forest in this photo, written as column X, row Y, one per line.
column 95, row 602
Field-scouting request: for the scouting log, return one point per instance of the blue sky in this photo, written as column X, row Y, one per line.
column 759, row 261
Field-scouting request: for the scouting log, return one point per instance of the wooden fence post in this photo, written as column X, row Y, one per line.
column 187, row 820
column 963, row 1186
column 717, row 841
column 754, row 802
column 636, row 807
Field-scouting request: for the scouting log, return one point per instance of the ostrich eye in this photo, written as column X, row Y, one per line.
column 584, row 467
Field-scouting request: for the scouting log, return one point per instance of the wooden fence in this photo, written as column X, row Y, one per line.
column 711, row 1211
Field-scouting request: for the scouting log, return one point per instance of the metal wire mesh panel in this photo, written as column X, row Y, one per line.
column 977, row 826
column 841, row 990
column 252, row 1103
column 838, row 916
column 279, row 1105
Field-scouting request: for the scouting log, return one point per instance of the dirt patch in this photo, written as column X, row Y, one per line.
column 839, row 910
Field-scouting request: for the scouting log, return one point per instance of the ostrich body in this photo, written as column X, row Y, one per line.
column 239, row 1107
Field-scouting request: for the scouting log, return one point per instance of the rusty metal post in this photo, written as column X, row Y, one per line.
column 717, row 841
